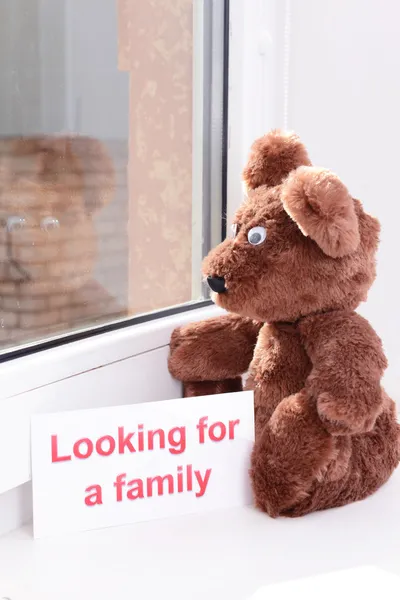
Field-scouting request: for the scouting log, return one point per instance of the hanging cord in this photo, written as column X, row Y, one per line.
column 286, row 63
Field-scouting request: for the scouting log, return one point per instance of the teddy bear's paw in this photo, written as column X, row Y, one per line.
column 176, row 338
column 339, row 416
column 181, row 354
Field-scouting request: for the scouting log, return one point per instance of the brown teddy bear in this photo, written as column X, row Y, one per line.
column 301, row 260
column 50, row 187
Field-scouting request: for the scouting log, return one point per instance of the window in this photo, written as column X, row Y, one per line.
column 112, row 162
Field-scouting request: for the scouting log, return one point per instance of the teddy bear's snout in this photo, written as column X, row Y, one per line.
column 217, row 284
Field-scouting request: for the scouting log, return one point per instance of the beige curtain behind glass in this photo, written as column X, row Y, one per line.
column 155, row 46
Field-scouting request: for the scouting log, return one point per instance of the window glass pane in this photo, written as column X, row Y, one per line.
column 111, row 138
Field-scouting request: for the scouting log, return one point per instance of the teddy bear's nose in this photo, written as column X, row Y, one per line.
column 217, row 284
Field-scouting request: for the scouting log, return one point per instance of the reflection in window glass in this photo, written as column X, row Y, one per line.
column 101, row 218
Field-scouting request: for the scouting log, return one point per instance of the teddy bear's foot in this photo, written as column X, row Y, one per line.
column 288, row 482
column 208, row 388
column 291, row 453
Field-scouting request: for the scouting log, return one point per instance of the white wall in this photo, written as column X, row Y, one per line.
column 344, row 101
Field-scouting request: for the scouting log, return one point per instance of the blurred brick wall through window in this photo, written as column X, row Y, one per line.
column 155, row 47
column 95, row 163
column 51, row 189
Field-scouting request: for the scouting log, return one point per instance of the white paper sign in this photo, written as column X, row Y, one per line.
column 113, row 466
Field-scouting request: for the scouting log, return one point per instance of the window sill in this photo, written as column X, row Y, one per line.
column 228, row 554
column 40, row 369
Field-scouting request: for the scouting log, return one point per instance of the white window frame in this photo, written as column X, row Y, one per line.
column 41, row 382
column 258, row 81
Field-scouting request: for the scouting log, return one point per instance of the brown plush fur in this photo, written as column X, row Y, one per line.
column 272, row 157
column 326, row 432
column 323, row 209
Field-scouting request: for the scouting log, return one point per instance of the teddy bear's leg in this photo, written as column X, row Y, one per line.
column 291, row 453
column 210, row 356
column 375, row 455
column 298, row 467
column 208, row 388
column 362, row 464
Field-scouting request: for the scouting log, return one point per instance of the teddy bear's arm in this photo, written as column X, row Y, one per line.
column 213, row 350
column 347, row 366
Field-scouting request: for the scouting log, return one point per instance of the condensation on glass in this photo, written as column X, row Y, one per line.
column 109, row 131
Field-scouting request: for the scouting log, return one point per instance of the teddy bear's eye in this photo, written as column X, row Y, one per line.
column 257, row 235
column 15, row 223
column 49, row 223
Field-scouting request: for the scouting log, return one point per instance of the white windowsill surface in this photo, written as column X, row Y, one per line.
column 218, row 555
column 43, row 368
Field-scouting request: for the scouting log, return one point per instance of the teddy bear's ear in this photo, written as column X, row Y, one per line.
column 323, row 209
column 272, row 157
column 97, row 170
